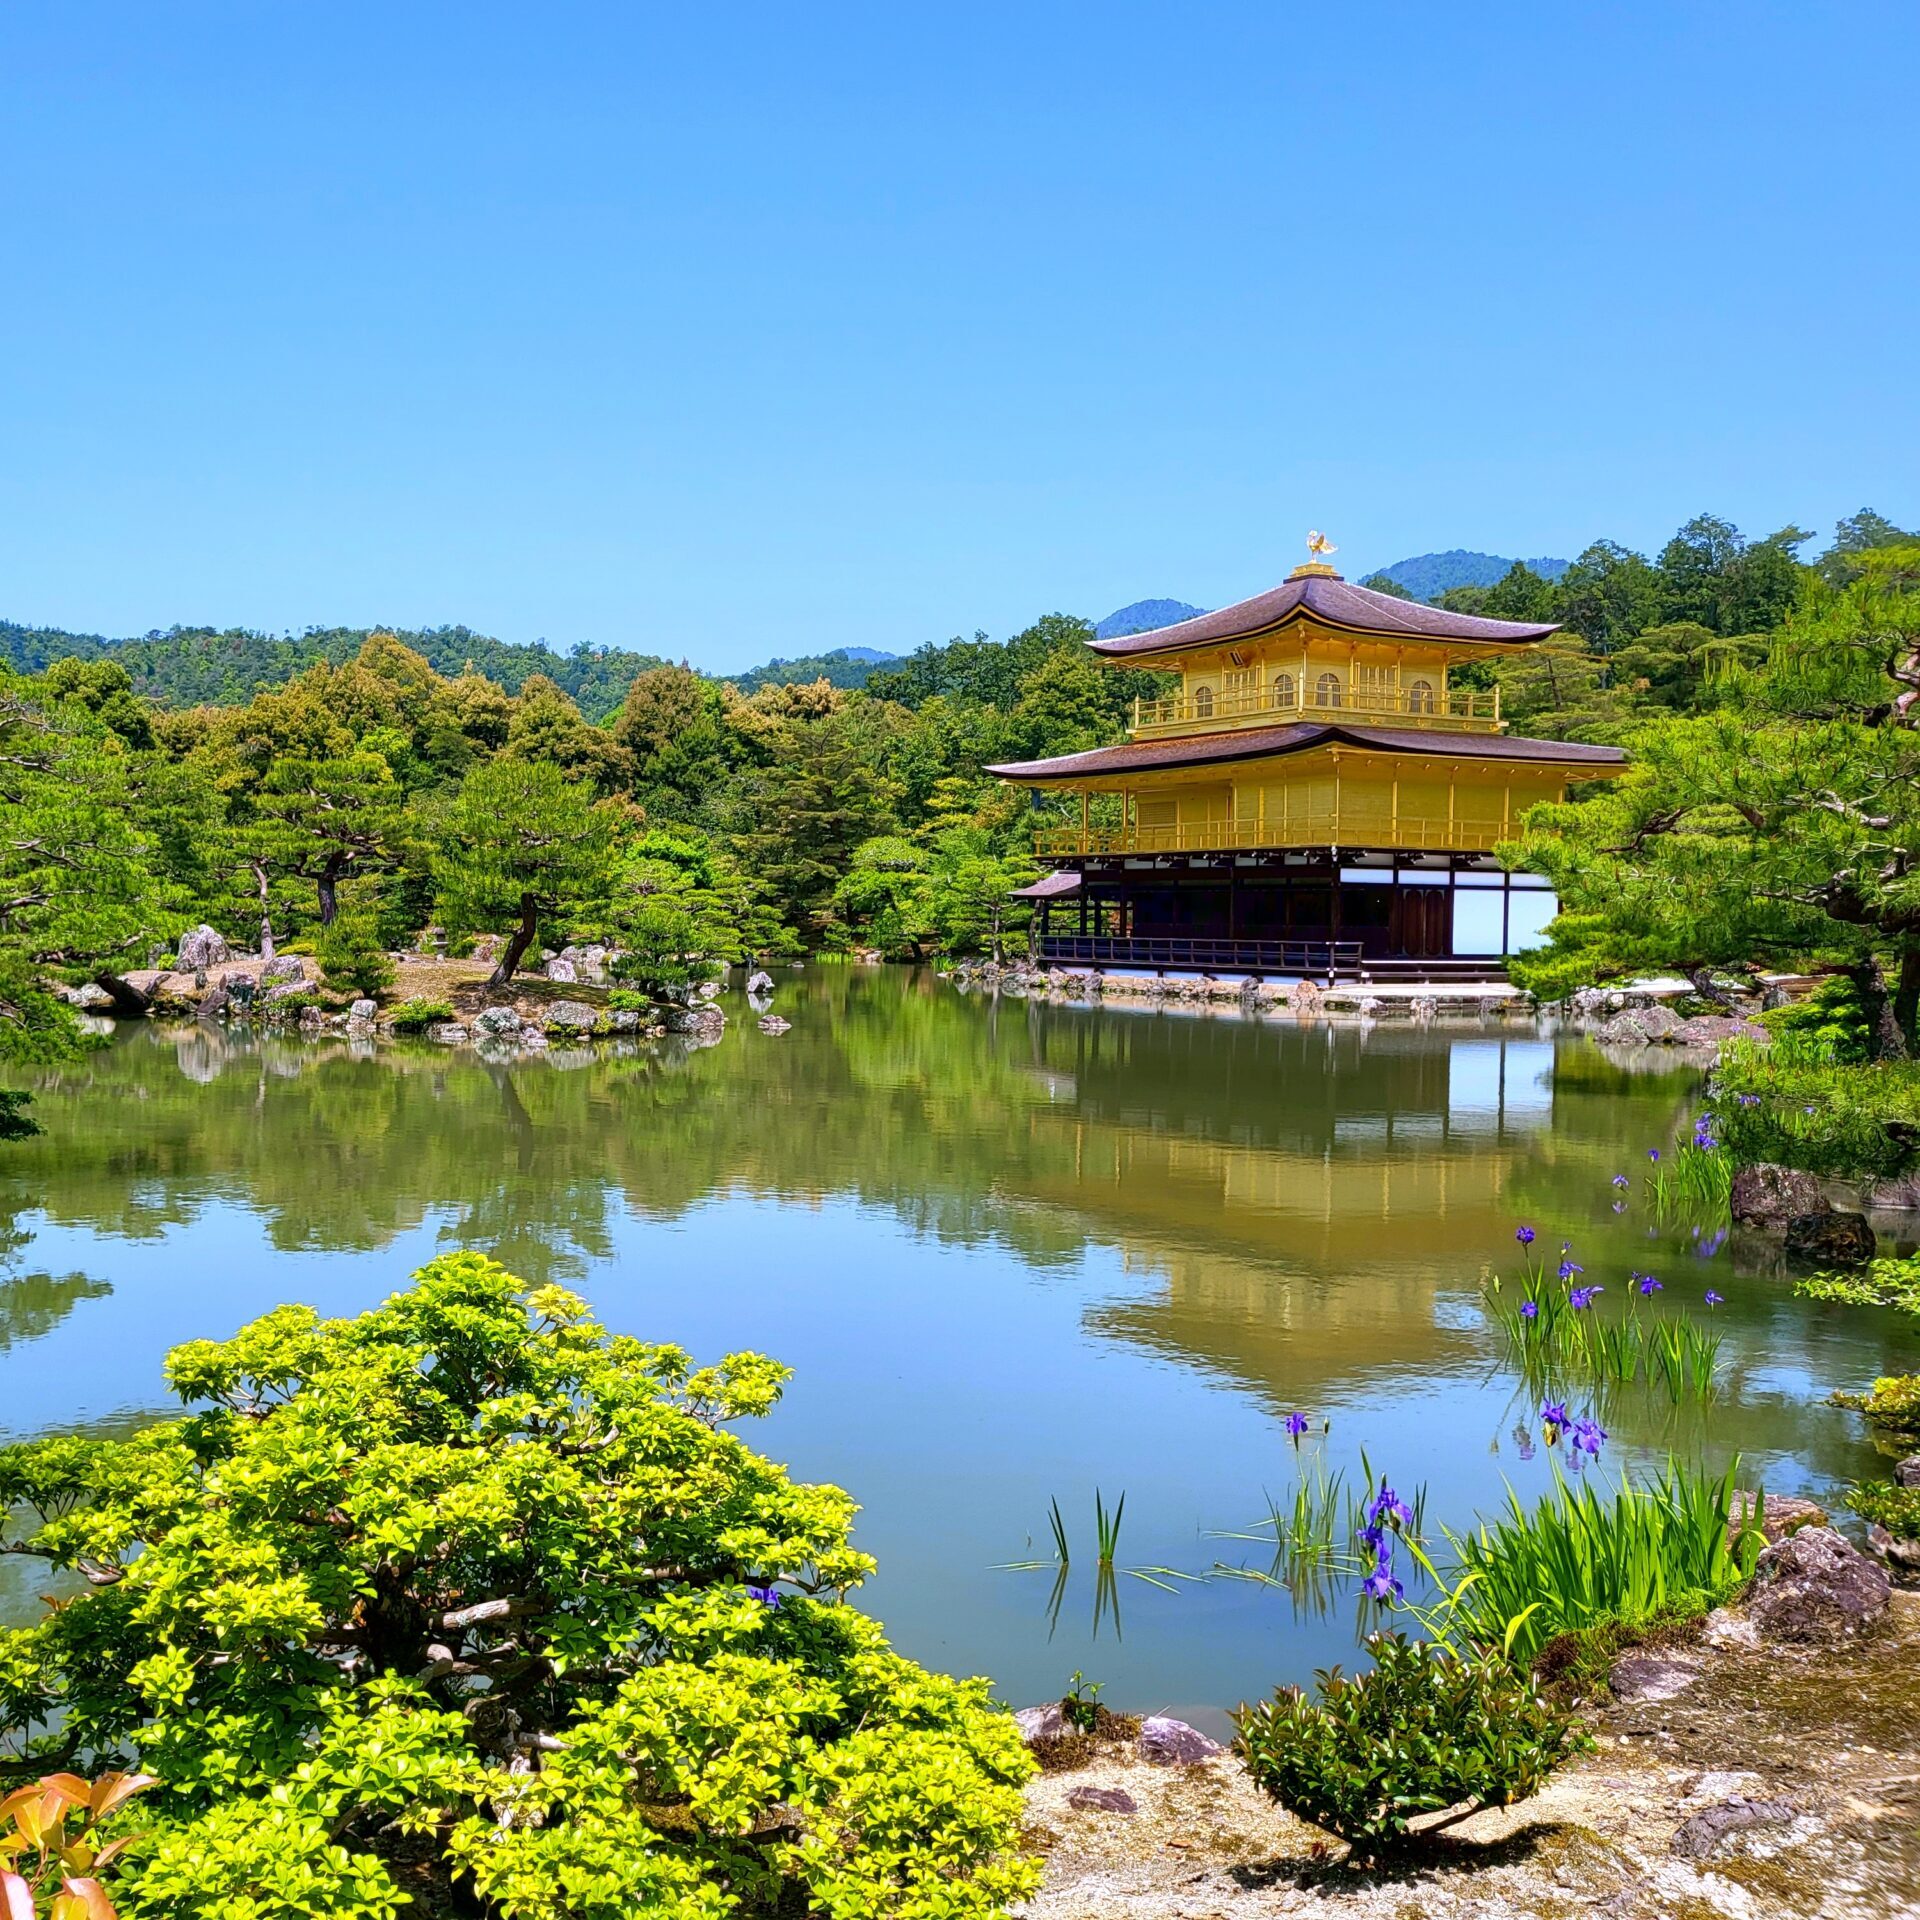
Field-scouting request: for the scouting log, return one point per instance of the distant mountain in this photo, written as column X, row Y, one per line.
column 843, row 667
column 1144, row 615
column 1428, row 575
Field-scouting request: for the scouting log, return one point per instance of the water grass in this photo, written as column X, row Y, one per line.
column 1558, row 1342
column 1580, row 1560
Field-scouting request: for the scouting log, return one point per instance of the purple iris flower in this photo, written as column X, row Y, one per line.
column 1296, row 1425
column 1653, row 1153
column 1715, row 1299
column 1380, row 1584
column 1748, row 1099
column 1553, row 1413
column 1529, row 1309
column 1568, row 1268
column 1372, row 1537
column 1587, row 1436
column 1582, row 1297
column 1619, row 1206
column 1524, row 1235
column 1649, row 1286
column 1712, row 1243
column 1619, row 1179
column 765, row 1595
column 1387, row 1505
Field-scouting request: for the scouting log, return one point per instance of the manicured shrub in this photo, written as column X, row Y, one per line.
column 1832, row 1017
column 1791, row 1104
column 1426, row 1729
column 1893, row 1405
column 414, row 1016
column 351, row 955
column 468, row 1589
column 1895, row 1508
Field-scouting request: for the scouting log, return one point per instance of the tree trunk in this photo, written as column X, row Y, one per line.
column 518, row 941
column 266, row 912
column 328, row 881
column 1906, row 995
column 1703, row 984
column 1885, row 1040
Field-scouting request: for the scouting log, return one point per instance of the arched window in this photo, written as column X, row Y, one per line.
column 1203, row 703
column 1283, row 689
column 1420, row 697
column 1326, row 690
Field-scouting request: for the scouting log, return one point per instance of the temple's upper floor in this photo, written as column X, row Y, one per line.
column 1314, row 646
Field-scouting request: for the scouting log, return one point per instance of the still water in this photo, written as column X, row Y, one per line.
column 1014, row 1252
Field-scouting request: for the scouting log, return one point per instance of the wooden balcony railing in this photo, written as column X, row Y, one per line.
column 1349, row 828
column 1466, row 712
column 1314, row 957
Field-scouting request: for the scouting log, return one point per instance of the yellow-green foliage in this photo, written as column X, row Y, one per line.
column 470, row 1581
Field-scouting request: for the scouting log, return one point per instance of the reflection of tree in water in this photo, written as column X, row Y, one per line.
column 35, row 1303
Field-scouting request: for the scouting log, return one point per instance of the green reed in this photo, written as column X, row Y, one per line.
column 1580, row 1559
column 1598, row 1348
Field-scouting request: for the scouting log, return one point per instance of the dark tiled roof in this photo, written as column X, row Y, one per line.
column 1330, row 599
column 1265, row 743
column 1049, row 886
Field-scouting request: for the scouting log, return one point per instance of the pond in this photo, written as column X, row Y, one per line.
column 1015, row 1252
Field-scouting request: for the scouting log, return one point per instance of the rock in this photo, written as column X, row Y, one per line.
column 288, row 969
column 497, row 1021
column 709, row 990
column 1102, row 1800
column 1166, row 1742
column 1711, row 1029
column 1834, row 1239
column 1895, row 1193
column 91, row 998
column 1781, row 1515
column 1702, row 1834
column 215, row 1003
column 204, row 947
column 1423, row 1006
column 1636, row 1026
column 362, row 1013
column 1907, row 1473
column 1904, row 1554
column 772, row 1023
column 589, row 964
column 707, row 1020
column 312, row 1019
column 1765, row 1195
column 626, row 1021
column 486, row 949
column 561, row 968
column 449, row 1033
column 281, row 990
column 242, row 991
column 1815, row 1586
column 759, row 981
column 571, row 1016
column 1042, row 1723
column 1640, row 1674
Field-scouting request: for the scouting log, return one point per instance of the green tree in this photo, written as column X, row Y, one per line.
column 520, row 845
column 672, row 729
column 469, row 1594
column 1783, row 829
column 331, row 819
column 1608, row 596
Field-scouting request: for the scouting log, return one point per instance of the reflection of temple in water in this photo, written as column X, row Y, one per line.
column 1275, row 1187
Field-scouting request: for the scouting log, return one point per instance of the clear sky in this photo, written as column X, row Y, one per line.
column 722, row 331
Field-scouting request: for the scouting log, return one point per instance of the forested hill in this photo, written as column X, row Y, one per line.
column 195, row 666
column 1428, row 575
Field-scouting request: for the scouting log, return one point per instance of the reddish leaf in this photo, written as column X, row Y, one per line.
column 16, row 1898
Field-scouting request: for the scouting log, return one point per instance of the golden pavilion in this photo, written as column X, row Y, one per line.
column 1318, row 799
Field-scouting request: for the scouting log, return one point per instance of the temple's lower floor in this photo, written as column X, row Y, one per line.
column 1309, row 912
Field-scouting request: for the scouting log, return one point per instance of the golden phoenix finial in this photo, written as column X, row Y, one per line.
column 1320, row 546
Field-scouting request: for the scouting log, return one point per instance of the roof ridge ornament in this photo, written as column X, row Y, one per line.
column 1317, row 568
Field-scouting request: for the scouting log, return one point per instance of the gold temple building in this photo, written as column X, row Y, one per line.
column 1319, row 799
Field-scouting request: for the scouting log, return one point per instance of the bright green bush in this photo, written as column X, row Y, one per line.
column 1893, row 1405
column 414, row 1016
column 1426, row 1729
column 1789, row 1103
column 1832, row 1018
column 351, row 955
column 1895, row 1508
column 470, row 1584
column 1578, row 1561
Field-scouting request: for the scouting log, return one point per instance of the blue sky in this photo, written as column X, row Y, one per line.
column 729, row 331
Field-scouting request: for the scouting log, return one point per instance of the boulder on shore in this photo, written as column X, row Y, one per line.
column 286, row 968
column 1166, row 1742
column 1834, row 1239
column 759, row 981
column 1710, row 1029
column 572, row 1016
column 497, row 1020
column 1765, row 1195
column 1815, row 1586
column 204, row 947
column 1637, row 1026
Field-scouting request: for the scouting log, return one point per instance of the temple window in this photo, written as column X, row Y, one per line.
column 1420, row 697
column 1326, row 690
column 1203, row 703
column 1283, row 689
